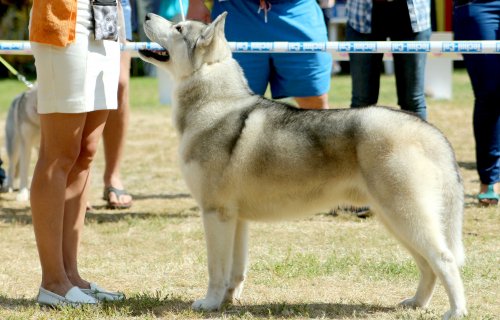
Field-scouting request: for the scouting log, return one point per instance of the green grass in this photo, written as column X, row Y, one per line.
column 323, row 267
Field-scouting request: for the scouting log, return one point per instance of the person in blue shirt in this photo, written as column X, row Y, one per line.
column 399, row 20
column 305, row 77
column 479, row 20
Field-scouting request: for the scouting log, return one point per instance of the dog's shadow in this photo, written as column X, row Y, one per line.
column 305, row 310
column 170, row 306
column 277, row 310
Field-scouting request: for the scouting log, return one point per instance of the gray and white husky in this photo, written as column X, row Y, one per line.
column 22, row 133
column 248, row 158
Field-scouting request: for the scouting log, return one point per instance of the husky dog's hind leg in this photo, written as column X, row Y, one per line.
column 416, row 207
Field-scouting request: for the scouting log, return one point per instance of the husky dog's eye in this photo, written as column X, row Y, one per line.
column 178, row 28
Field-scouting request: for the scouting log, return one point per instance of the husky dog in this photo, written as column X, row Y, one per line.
column 248, row 158
column 22, row 131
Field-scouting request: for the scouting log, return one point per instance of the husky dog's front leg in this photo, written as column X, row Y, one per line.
column 219, row 235
column 240, row 262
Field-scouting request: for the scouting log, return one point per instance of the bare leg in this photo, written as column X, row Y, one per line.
column 61, row 136
column 76, row 195
column 114, row 134
column 318, row 102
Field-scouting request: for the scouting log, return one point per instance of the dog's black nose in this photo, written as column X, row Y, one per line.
column 148, row 17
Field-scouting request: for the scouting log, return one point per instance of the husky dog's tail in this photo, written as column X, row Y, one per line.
column 453, row 216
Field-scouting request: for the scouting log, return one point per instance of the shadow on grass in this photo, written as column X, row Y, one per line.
column 15, row 303
column 161, row 196
column 110, row 216
column 467, row 165
column 169, row 305
column 20, row 216
column 304, row 310
column 99, row 214
column 23, row 217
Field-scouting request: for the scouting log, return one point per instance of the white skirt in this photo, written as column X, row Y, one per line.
column 80, row 77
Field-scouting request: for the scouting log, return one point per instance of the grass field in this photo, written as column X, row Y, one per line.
column 323, row 267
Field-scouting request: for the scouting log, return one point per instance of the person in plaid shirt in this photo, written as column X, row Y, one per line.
column 398, row 20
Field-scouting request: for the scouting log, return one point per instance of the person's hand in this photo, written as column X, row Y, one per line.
column 198, row 11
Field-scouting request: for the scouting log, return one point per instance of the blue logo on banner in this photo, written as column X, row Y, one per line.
column 465, row 46
column 498, row 47
column 314, row 46
column 357, row 47
column 306, row 46
column 242, row 46
column 410, row 47
column 295, row 46
column 12, row 47
column 262, row 46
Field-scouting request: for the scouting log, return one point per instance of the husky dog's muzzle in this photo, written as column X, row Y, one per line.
column 160, row 55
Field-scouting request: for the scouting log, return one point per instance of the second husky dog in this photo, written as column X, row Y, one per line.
column 22, row 132
column 248, row 158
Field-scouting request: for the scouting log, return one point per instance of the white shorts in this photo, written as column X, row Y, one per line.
column 80, row 77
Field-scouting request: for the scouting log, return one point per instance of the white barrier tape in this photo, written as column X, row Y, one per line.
column 440, row 47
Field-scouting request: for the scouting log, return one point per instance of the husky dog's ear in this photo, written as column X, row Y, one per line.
column 217, row 26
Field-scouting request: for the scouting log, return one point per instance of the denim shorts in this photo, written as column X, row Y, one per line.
column 289, row 75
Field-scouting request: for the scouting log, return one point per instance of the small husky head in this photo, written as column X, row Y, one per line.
column 106, row 22
column 188, row 44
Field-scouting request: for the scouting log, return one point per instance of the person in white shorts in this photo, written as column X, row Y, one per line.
column 77, row 86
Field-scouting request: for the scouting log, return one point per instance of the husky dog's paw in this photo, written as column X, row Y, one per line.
column 455, row 314
column 23, row 195
column 206, row 304
column 411, row 303
column 233, row 294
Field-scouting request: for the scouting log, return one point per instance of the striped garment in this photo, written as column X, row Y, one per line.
column 359, row 14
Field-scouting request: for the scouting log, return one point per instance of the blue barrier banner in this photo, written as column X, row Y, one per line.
column 340, row 47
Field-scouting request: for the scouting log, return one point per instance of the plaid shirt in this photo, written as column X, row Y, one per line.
column 359, row 14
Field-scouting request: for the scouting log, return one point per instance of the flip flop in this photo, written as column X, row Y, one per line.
column 118, row 193
column 490, row 197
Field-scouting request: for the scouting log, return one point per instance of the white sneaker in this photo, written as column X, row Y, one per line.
column 102, row 294
column 74, row 297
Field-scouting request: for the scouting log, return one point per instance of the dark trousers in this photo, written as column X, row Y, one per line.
column 480, row 20
column 389, row 20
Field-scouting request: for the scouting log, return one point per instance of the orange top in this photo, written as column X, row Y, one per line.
column 53, row 22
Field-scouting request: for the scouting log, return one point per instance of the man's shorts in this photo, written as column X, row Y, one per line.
column 289, row 75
